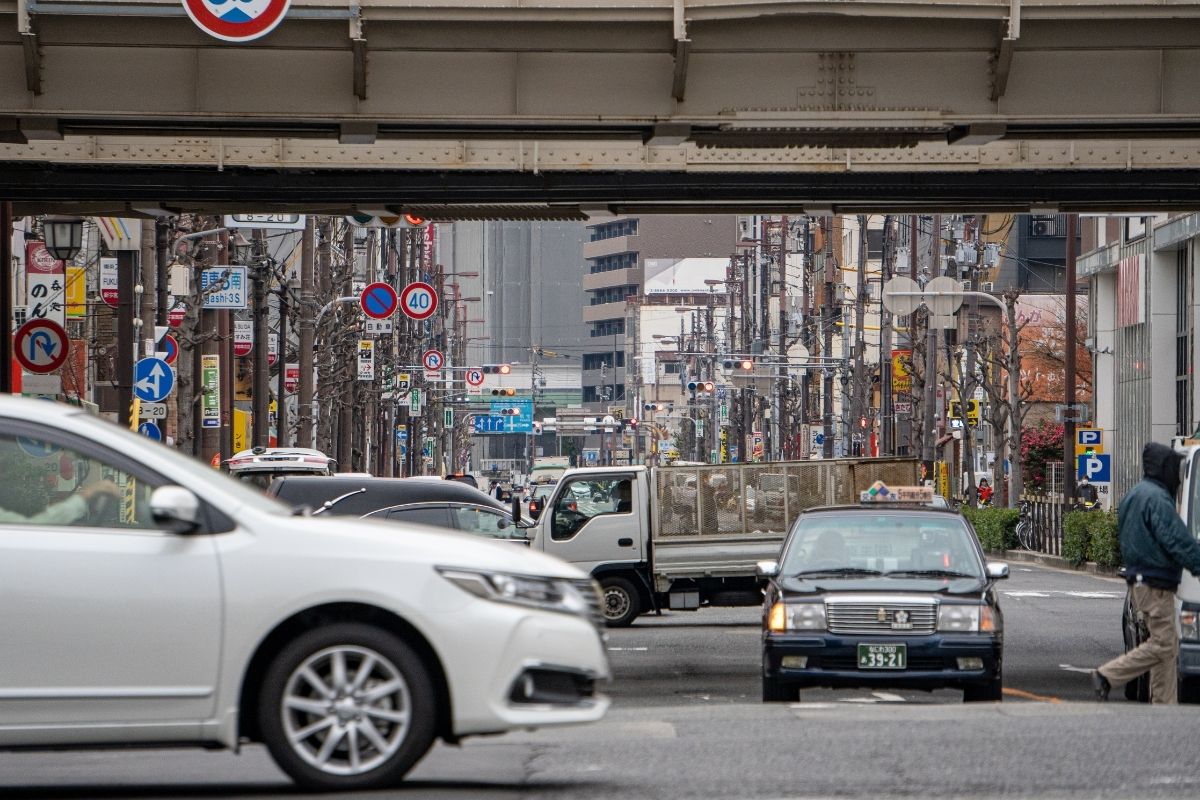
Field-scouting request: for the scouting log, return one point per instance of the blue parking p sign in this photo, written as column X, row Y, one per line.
column 1096, row 468
column 1089, row 437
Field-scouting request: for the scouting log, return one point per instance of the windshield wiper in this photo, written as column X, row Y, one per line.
column 837, row 571
column 929, row 573
column 328, row 504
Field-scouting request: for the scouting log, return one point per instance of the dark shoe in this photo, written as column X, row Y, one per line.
column 1101, row 686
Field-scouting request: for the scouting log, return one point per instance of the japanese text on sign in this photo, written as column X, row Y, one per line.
column 224, row 287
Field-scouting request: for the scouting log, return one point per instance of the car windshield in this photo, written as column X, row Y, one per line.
column 890, row 545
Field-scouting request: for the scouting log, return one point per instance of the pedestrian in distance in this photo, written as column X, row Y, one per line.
column 985, row 492
column 1156, row 547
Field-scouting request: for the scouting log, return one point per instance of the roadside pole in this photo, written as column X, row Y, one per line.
column 304, row 397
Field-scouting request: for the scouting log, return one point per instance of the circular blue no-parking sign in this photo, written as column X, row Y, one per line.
column 149, row 429
column 378, row 300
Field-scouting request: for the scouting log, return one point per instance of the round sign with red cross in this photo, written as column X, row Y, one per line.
column 475, row 376
column 40, row 345
column 236, row 20
column 169, row 346
column 433, row 360
column 418, row 300
column 378, row 300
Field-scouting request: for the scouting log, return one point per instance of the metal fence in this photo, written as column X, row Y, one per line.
column 739, row 499
column 1047, row 517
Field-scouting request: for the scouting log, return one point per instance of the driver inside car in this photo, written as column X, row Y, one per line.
column 64, row 512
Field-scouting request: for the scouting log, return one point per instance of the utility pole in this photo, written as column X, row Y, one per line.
column 860, row 404
column 305, row 356
column 283, row 431
column 779, row 428
column 886, row 408
column 1015, row 478
column 1069, row 417
column 929, row 407
column 968, row 377
column 827, row 347
column 261, row 391
column 346, row 409
column 225, row 336
column 126, row 336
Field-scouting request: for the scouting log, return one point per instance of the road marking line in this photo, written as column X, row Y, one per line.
column 1069, row 668
column 1026, row 594
column 1024, row 695
column 628, row 649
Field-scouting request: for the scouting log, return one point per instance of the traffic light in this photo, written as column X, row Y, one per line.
column 537, row 429
column 746, row 364
column 497, row 369
column 413, row 221
column 707, row 386
column 654, row 407
column 509, row 412
column 631, row 422
column 504, row 392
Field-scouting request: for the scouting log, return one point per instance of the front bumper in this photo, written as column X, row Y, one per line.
column 524, row 668
column 833, row 660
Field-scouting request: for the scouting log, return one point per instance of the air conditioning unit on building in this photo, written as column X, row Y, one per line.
column 987, row 286
column 966, row 285
column 1042, row 226
column 991, row 255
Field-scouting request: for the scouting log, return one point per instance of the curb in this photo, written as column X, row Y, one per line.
column 1026, row 557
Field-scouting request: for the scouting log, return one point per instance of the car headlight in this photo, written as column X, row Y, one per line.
column 550, row 594
column 790, row 617
column 966, row 619
column 1189, row 623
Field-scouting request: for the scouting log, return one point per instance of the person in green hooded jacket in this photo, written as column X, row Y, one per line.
column 1156, row 547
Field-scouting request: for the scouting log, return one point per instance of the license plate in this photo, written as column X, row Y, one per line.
column 882, row 656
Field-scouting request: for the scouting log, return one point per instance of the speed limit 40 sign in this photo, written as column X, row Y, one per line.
column 418, row 300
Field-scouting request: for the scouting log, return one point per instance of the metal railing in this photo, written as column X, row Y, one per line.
column 1046, row 515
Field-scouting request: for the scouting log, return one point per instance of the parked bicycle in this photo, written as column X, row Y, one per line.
column 1025, row 537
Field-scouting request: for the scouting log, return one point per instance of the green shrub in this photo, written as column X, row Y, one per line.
column 1077, row 536
column 996, row 527
column 1104, row 547
column 1091, row 536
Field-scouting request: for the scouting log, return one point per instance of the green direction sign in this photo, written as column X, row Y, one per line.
column 449, row 418
column 415, row 402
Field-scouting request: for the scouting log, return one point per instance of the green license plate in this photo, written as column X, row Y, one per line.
column 882, row 656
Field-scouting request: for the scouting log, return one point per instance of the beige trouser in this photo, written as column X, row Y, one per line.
column 1159, row 653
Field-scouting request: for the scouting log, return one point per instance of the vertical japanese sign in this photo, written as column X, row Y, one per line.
column 366, row 359
column 109, row 281
column 901, row 377
column 45, row 284
column 210, row 381
column 76, row 292
column 415, row 402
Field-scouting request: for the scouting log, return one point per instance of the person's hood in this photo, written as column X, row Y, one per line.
column 1162, row 464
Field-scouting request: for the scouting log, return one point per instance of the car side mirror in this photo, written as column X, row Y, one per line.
column 997, row 570
column 175, row 508
column 766, row 569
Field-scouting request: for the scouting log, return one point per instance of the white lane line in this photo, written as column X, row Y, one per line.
column 1070, row 668
column 1095, row 595
column 876, row 697
column 1082, row 595
column 888, row 697
column 1026, row 594
column 628, row 649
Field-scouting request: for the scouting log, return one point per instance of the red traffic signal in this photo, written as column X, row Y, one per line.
column 632, row 421
column 746, row 364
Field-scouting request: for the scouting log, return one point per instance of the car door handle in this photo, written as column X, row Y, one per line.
column 625, row 542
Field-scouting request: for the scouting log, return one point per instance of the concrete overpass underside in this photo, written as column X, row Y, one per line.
column 570, row 108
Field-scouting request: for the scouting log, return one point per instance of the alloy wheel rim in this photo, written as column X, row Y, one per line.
column 346, row 710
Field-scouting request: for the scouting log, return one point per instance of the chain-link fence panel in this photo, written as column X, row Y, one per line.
column 677, row 499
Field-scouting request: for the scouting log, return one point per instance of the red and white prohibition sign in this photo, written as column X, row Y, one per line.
column 237, row 20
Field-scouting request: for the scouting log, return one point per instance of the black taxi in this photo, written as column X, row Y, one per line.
column 890, row 593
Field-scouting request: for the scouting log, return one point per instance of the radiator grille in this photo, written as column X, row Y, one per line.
column 884, row 618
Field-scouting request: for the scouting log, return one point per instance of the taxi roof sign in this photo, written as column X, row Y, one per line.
column 880, row 492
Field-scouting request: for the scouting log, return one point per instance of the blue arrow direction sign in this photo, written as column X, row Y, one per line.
column 149, row 429
column 153, row 380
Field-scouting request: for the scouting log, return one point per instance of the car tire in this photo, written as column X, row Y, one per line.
column 775, row 692
column 990, row 692
column 381, row 721
column 622, row 603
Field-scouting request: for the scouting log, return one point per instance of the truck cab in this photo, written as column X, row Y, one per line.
column 598, row 519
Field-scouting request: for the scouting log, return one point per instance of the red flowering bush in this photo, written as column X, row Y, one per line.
column 1039, row 446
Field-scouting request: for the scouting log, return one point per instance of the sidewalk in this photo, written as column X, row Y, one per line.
column 1027, row 557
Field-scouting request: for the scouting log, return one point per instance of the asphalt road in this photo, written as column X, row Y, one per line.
column 687, row 723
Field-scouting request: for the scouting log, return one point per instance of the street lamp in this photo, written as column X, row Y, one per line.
column 63, row 236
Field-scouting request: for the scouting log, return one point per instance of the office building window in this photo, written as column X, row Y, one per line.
column 613, row 294
column 597, row 360
column 608, row 327
column 612, row 262
column 611, row 230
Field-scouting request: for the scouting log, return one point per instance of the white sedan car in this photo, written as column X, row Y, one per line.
column 150, row 600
